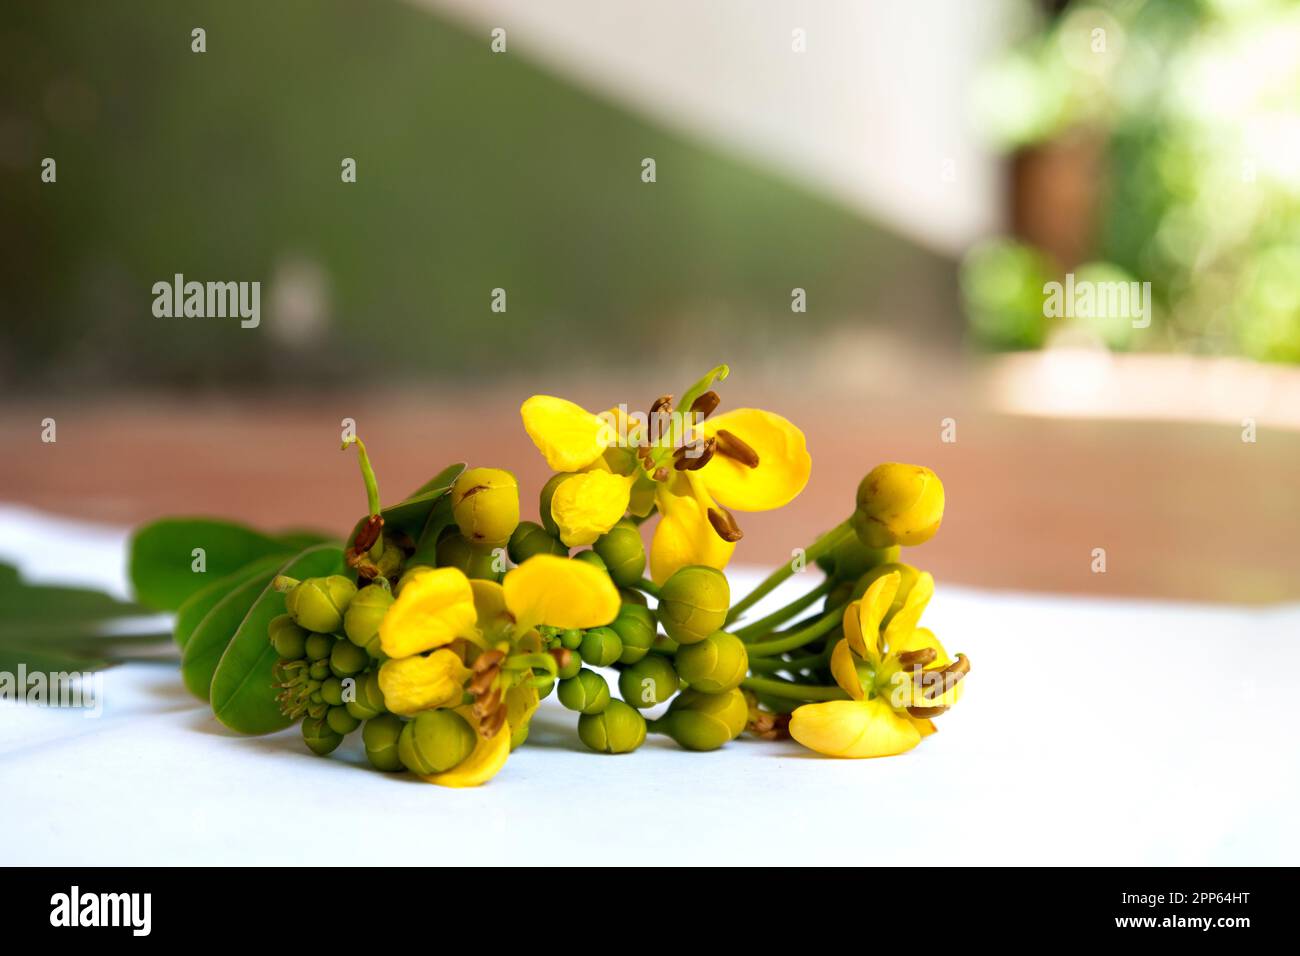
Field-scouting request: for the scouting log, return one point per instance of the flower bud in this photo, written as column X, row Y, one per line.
column 544, row 502
column 340, row 721
column 319, row 736
column 592, row 558
column 367, row 699
column 714, row 665
column 319, row 670
column 331, row 691
column 476, row 561
column 898, row 504
column 288, row 639
column 380, row 735
column 706, row 721
column 571, row 666
column 618, row 729
column 648, row 682
column 531, row 539
column 363, row 616
column 485, row 503
column 635, row 627
column 850, row 558
column 600, row 647
column 317, row 647
column 907, row 576
column 571, row 639
column 623, row 552
column 317, row 604
column 435, row 741
column 693, row 603
column 586, row 693
column 347, row 659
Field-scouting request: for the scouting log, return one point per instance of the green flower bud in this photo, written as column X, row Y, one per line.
column 317, row 647
column 693, row 603
column 367, row 698
column 317, row 604
column 587, row 693
column 485, row 503
column 364, row 615
column 435, row 741
column 618, row 729
column 544, row 502
column 601, row 646
column 907, row 578
column 706, row 721
column 850, row 558
column 623, row 552
column 288, row 639
column 347, row 659
column 340, row 721
column 380, row 735
column 715, row 665
column 477, row 561
column 319, row 670
column 592, row 558
column 320, row 738
column 530, row 539
column 571, row 666
column 331, row 691
column 544, row 683
column 572, row 639
column 648, row 682
column 635, row 627
column 898, row 504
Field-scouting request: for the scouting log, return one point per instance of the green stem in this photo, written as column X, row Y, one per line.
column 827, row 623
column 781, row 688
column 770, row 665
column 648, row 586
column 367, row 473
column 814, row 551
column 765, row 625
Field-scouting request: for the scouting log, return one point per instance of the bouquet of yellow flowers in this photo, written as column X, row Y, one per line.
column 442, row 621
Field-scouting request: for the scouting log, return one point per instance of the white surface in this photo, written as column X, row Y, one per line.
column 1091, row 733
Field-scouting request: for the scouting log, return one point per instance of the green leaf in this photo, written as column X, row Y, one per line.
column 300, row 539
column 197, row 605
column 161, row 555
column 209, row 638
column 49, row 660
column 426, row 545
column 40, row 605
column 243, row 692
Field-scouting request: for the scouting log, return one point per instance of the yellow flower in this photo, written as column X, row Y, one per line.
column 472, row 628
column 897, row 679
column 898, row 505
column 692, row 467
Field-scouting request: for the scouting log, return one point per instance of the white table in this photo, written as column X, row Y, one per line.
column 1092, row 732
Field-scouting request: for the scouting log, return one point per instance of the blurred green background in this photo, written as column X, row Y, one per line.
column 475, row 172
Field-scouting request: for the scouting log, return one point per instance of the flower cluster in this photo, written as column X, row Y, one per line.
column 443, row 642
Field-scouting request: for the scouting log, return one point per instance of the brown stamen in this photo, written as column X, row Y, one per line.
column 924, row 712
column 694, row 456
column 706, row 404
column 661, row 474
column 482, row 683
column 911, row 658
column 368, row 534
column 562, row 656
column 664, row 403
column 491, row 725
column 733, row 447
column 725, row 525
column 487, row 660
column 949, row 677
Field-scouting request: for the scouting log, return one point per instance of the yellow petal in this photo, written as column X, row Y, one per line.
column 413, row 684
column 863, row 627
column 783, row 461
column 588, row 504
column 568, row 435
column 434, row 607
column 484, row 762
column 684, row 536
column 521, row 702
column 909, row 615
column 853, row 728
column 548, row 589
column 490, row 604
column 844, row 669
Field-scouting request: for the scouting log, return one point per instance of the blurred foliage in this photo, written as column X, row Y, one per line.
column 475, row 171
column 1198, row 104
